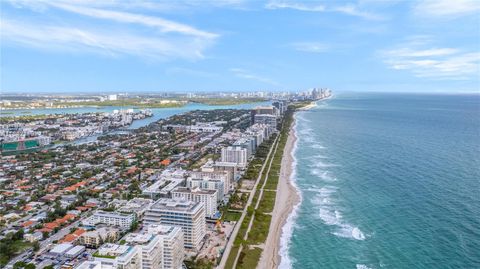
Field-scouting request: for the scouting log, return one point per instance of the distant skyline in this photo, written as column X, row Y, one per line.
column 72, row 46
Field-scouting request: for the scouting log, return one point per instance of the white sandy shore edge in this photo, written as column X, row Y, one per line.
column 286, row 200
column 309, row 106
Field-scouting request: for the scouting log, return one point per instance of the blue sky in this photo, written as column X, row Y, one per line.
column 239, row 45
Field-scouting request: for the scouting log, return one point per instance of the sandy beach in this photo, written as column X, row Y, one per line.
column 309, row 106
column 286, row 200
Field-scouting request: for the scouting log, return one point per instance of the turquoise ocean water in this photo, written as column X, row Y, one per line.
column 387, row 181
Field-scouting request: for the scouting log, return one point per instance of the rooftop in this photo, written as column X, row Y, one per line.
column 195, row 190
column 138, row 238
column 175, row 204
column 109, row 249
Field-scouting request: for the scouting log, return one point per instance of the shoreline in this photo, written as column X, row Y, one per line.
column 309, row 106
column 287, row 199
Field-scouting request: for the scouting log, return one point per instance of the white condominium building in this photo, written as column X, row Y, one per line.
column 151, row 247
column 173, row 250
column 236, row 155
column 205, row 196
column 119, row 256
column 230, row 168
column 211, row 184
column 267, row 119
column 223, row 176
column 188, row 215
column 121, row 220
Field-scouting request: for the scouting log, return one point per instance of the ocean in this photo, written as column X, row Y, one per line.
column 386, row 181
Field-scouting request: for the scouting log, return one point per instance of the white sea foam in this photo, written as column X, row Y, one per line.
column 320, row 164
column 331, row 215
column 323, row 175
column 328, row 216
column 308, row 138
column 305, row 131
column 299, row 117
column 349, row 231
column 317, row 146
column 363, row 266
column 287, row 229
column 306, row 135
column 324, row 192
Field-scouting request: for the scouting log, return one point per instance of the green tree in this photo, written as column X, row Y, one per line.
column 30, row 266
column 36, row 246
column 18, row 235
column 19, row 264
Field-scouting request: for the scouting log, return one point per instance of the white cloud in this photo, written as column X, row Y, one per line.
column 157, row 6
column 126, row 17
column 324, row 6
column 355, row 11
column 149, row 37
column 74, row 39
column 314, row 47
column 296, row 6
column 242, row 73
column 432, row 62
column 447, row 8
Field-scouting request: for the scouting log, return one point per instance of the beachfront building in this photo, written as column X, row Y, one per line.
column 265, row 110
column 151, row 248
column 237, row 155
column 210, row 184
column 267, row 119
column 248, row 143
column 223, row 176
column 231, row 169
column 173, row 250
column 281, row 106
column 205, row 196
column 122, row 220
column 260, row 132
column 118, row 257
column 188, row 215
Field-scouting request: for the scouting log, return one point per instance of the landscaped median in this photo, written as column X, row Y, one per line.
column 259, row 213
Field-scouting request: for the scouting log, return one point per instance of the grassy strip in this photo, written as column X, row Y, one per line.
column 260, row 226
column 249, row 258
column 268, row 201
column 232, row 256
